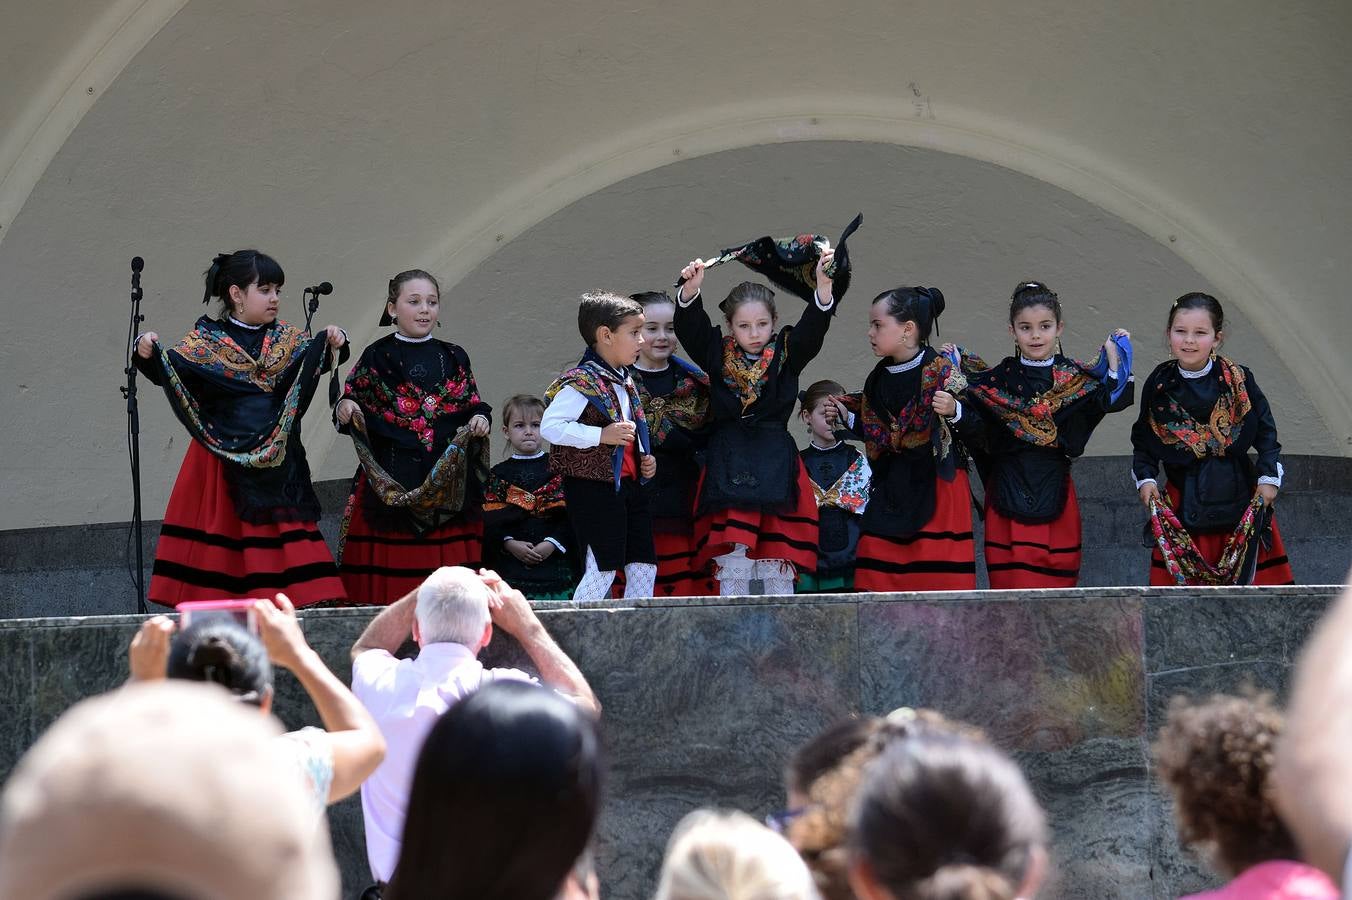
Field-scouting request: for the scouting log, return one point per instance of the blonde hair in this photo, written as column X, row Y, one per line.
column 716, row 855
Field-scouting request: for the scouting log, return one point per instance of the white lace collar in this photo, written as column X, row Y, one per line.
column 245, row 324
column 533, row 456
column 1037, row 363
column 816, row 446
column 411, row 340
column 908, row 365
column 651, row 371
column 1200, row 372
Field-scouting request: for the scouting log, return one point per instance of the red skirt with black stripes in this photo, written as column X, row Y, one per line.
column 1034, row 556
column 379, row 567
column 205, row 552
column 1273, row 566
column 790, row 535
column 941, row 556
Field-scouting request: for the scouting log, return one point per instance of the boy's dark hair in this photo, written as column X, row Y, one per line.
column 748, row 292
column 1198, row 300
column 220, row 651
column 239, row 269
column 817, row 392
column 1033, row 293
column 920, row 305
column 1216, row 757
column 603, row 309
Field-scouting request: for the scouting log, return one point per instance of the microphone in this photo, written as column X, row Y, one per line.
column 323, row 289
column 137, row 264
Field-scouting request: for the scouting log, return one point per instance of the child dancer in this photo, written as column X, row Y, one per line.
column 1040, row 409
column 1200, row 415
column 242, row 517
column 756, row 514
column 526, row 531
column 600, row 445
column 840, row 483
column 918, row 526
column 675, row 397
column 420, row 436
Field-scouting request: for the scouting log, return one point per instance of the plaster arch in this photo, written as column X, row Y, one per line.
column 70, row 88
column 1197, row 239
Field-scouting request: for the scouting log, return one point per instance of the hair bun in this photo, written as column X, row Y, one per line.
column 936, row 302
column 967, row 881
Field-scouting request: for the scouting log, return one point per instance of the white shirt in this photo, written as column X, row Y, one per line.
column 406, row 697
column 560, row 425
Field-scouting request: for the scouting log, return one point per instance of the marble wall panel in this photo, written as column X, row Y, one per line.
column 703, row 701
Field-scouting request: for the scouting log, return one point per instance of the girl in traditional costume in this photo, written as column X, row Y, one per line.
column 917, row 530
column 242, row 516
column 526, row 531
column 675, row 398
column 756, row 513
column 840, row 483
column 1200, row 415
column 420, row 431
column 1040, row 409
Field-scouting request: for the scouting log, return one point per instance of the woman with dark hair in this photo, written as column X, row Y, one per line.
column 242, row 517
column 945, row 818
column 1201, row 414
column 917, row 527
column 332, row 762
column 420, row 430
column 504, row 798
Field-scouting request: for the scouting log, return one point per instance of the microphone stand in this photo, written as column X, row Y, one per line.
column 311, row 307
column 134, row 430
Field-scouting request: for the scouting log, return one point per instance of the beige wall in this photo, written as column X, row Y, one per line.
column 1122, row 152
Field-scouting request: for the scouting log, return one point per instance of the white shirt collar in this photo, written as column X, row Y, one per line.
column 245, row 324
column 532, row 456
column 908, row 365
column 651, row 371
column 1037, row 363
column 410, row 340
column 1199, row 373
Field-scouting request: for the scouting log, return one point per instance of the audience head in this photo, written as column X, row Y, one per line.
column 452, row 608
column 1216, row 758
column 943, row 817
column 830, row 769
column 161, row 789
column 823, row 753
column 219, row 650
column 504, row 798
column 730, row 856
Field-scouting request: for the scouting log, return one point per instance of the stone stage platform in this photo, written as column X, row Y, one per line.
column 705, row 698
